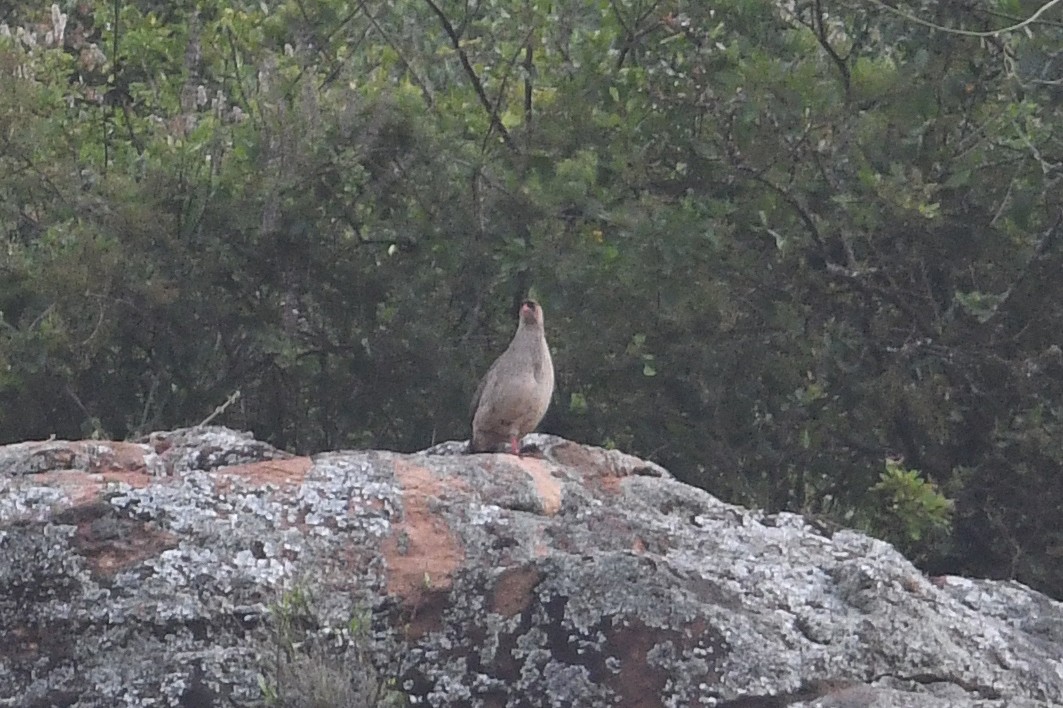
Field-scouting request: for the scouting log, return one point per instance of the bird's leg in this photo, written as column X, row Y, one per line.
column 513, row 445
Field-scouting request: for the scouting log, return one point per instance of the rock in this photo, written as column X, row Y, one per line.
column 203, row 568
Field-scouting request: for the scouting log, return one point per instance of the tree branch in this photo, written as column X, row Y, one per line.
column 477, row 85
column 970, row 33
column 421, row 83
column 821, row 36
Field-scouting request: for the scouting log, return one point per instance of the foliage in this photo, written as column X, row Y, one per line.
column 907, row 510
column 311, row 667
column 776, row 242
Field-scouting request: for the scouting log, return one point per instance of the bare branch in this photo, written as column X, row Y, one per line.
column 421, row 83
column 970, row 33
column 820, row 29
column 221, row 409
column 477, row 85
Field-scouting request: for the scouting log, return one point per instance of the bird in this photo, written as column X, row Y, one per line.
column 514, row 394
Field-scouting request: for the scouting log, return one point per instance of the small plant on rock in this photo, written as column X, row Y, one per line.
column 318, row 666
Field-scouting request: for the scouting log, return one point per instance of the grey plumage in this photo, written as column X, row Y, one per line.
column 514, row 394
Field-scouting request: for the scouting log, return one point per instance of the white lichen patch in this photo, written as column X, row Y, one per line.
column 29, row 502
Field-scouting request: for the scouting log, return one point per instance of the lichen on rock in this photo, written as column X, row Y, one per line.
column 203, row 567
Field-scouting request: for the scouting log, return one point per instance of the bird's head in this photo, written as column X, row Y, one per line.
column 531, row 313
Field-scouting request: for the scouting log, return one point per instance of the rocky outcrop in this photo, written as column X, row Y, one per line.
column 203, row 568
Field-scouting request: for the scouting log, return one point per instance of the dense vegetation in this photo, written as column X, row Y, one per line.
column 804, row 254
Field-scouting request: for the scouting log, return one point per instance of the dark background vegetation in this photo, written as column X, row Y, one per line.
column 805, row 254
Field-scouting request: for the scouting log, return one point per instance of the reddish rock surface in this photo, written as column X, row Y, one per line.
column 204, row 568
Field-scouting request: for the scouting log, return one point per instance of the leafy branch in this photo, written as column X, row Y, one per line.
column 474, row 79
